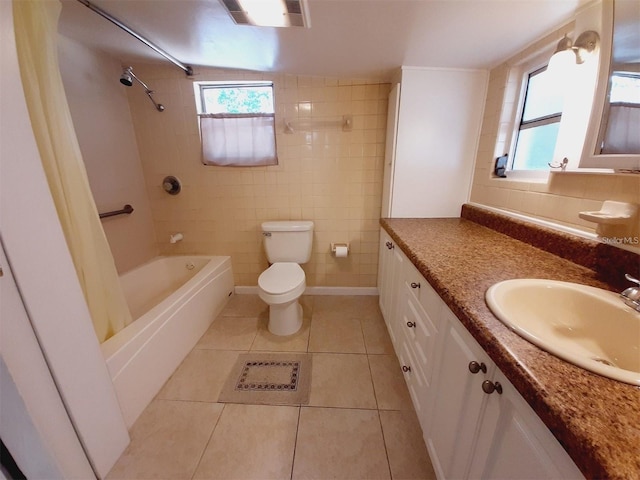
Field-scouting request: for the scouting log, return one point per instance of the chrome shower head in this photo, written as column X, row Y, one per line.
column 127, row 77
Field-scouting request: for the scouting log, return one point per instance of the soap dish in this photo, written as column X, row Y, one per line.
column 611, row 213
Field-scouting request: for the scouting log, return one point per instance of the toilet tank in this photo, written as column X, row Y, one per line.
column 288, row 241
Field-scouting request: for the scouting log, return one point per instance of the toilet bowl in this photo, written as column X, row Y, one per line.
column 280, row 286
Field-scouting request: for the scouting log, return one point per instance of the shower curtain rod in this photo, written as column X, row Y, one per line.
column 187, row 69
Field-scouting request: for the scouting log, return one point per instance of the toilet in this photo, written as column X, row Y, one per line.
column 287, row 244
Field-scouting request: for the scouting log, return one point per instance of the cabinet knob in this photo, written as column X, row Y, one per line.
column 411, row 324
column 475, row 367
column 389, row 245
column 406, row 368
column 415, row 285
column 489, row 387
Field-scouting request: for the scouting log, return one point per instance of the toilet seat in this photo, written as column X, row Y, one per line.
column 281, row 282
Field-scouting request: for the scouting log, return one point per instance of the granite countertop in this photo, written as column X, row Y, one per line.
column 597, row 420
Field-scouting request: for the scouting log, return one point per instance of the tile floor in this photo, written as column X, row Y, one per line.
column 359, row 423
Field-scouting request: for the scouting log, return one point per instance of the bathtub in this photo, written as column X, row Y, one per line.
column 173, row 301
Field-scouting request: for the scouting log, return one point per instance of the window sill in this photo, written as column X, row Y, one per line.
column 529, row 176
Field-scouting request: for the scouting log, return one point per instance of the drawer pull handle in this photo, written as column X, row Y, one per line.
column 415, row 285
column 406, row 369
column 411, row 324
column 475, row 367
column 489, row 387
column 389, row 245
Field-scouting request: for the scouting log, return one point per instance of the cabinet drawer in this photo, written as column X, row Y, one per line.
column 415, row 379
column 422, row 291
column 420, row 333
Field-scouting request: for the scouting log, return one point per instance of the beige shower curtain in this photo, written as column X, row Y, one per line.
column 36, row 24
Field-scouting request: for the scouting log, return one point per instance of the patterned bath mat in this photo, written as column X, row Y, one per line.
column 269, row 378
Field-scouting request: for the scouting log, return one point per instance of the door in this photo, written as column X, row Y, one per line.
column 390, row 150
column 34, row 423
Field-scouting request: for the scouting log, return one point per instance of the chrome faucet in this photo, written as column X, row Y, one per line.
column 631, row 296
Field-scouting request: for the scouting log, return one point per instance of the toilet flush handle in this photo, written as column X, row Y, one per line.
column 266, row 234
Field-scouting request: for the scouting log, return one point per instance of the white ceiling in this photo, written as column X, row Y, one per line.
column 347, row 38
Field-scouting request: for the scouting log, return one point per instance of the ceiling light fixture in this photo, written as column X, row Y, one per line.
column 268, row 13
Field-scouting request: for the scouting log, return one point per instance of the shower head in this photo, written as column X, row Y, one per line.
column 127, row 77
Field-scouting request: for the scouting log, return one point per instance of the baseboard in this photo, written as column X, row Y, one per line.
column 242, row 289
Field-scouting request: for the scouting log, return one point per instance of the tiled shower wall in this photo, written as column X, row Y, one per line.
column 326, row 175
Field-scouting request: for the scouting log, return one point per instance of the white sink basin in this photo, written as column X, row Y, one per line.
column 589, row 327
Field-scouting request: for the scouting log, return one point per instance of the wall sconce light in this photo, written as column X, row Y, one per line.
column 585, row 45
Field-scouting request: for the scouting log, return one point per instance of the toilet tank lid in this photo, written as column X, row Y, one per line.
column 287, row 226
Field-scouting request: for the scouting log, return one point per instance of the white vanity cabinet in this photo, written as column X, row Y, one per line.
column 469, row 432
column 480, row 425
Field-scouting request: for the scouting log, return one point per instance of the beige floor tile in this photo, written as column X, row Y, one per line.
column 341, row 380
column 388, row 381
column 339, row 444
column 167, row 440
column 376, row 337
column 267, row 341
column 230, row 333
column 346, row 306
column 337, row 335
column 407, row 453
column 244, row 305
column 251, row 442
column 200, row 377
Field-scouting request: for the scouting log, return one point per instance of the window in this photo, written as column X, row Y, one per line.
column 539, row 122
column 622, row 117
column 237, row 123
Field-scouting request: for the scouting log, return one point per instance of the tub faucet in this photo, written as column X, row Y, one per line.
column 631, row 296
column 175, row 238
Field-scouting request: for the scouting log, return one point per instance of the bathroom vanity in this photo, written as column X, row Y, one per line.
column 490, row 404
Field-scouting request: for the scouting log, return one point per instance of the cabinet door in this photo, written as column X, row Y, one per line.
column 398, row 260
column 458, row 401
column 513, row 442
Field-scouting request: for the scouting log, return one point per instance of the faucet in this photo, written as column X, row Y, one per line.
column 631, row 296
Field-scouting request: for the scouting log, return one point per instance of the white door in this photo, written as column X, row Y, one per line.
column 34, row 423
column 390, row 150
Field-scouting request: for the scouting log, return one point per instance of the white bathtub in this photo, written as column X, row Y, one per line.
column 173, row 301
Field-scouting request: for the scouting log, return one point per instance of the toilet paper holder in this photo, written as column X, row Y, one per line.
column 339, row 246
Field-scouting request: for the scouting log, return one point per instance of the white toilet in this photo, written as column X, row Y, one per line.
column 287, row 244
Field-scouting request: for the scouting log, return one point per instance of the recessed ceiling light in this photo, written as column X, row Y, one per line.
column 268, row 13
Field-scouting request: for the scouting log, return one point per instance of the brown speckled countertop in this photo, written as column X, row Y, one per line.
column 597, row 420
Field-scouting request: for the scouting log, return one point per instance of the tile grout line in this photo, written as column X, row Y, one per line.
column 295, row 443
column 206, row 445
column 386, row 450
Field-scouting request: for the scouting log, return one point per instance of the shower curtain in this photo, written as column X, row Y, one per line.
column 36, row 24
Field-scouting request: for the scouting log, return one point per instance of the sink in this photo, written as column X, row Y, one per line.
column 586, row 326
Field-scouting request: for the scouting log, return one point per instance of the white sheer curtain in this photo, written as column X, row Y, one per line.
column 36, row 23
column 623, row 130
column 241, row 140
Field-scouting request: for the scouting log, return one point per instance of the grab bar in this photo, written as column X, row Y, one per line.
column 127, row 209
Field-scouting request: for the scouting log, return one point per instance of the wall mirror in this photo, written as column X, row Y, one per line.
column 613, row 138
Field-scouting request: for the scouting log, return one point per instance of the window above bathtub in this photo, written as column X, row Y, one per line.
column 237, row 123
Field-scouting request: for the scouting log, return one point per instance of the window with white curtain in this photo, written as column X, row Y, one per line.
column 237, row 123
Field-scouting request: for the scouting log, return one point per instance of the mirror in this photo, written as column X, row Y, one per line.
column 612, row 139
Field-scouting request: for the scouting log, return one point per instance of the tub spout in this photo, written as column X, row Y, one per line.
column 175, row 238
